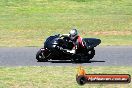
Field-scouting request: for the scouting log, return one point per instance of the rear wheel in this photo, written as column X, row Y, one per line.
column 40, row 56
column 76, row 58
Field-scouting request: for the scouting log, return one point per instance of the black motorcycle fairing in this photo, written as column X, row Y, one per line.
column 55, row 47
column 91, row 42
column 51, row 42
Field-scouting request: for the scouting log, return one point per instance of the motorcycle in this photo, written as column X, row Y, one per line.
column 52, row 50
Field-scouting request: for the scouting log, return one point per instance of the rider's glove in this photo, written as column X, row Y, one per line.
column 59, row 48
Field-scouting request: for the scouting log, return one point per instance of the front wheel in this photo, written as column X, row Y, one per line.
column 40, row 56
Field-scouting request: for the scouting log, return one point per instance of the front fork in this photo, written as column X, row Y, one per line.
column 46, row 52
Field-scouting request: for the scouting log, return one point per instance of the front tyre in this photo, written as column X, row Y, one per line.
column 40, row 56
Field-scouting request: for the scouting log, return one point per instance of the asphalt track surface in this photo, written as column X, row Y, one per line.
column 105, row 56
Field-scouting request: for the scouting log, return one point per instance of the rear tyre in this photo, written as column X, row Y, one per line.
column 40, row 56
column 76, row 58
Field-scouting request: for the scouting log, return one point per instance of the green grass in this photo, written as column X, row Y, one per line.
column 56, row 77
column 29, row 22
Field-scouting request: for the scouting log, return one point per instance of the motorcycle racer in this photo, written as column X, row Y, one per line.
column 76, row 39
column 68, row 47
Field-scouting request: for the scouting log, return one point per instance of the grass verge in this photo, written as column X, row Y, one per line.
column 29, row 22
column 56, row 77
